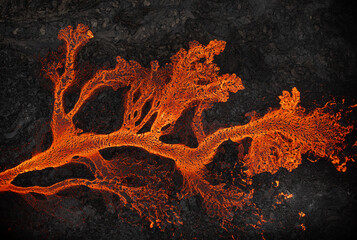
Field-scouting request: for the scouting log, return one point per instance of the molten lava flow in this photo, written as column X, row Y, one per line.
column 303, row 227
column 278, row 139
column 301, row 215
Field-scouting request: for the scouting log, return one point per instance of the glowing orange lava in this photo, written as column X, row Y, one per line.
column 301, row 215
column 278, row 139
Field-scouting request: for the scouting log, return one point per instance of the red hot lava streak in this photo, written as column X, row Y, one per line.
column 278, row 139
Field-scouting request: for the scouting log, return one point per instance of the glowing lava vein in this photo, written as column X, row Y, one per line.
column 279, row 138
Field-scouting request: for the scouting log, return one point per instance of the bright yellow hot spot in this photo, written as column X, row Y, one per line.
column 90, row 34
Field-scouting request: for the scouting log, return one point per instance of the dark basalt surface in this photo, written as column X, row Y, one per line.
column 273, row 45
